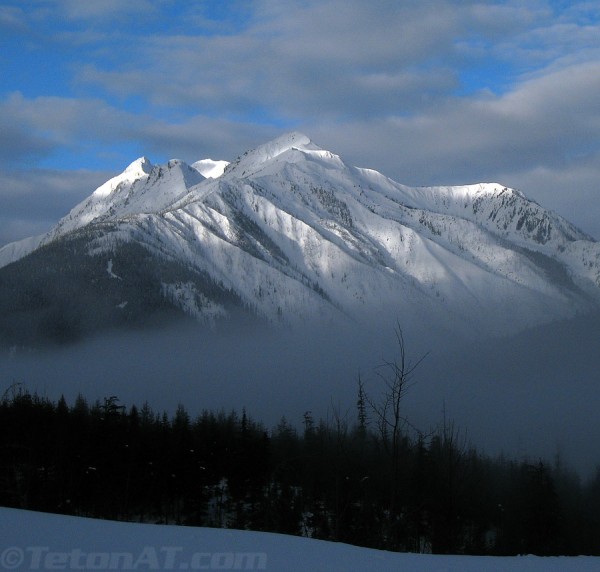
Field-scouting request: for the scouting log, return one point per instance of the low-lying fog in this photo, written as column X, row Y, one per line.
column 534, row 395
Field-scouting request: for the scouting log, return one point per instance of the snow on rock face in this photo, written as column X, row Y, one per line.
column 141, row 188
column 192, row 302
column 505, row 212
column 139, row 167
column 136, row 170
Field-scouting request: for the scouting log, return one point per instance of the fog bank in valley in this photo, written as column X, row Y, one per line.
column 529, row 396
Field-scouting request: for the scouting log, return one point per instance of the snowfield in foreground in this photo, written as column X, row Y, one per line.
column 38, row 541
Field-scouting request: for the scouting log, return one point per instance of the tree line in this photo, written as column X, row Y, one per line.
column 354, row 479
column 61, row 294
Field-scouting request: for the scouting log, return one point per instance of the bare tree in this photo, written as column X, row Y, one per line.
column 397, row 377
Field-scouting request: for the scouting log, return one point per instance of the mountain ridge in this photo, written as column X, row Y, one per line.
column 293, row 234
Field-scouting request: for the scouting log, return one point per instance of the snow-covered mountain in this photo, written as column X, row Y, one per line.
column 289, row 233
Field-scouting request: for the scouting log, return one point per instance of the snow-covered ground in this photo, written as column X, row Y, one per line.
column 37, row 541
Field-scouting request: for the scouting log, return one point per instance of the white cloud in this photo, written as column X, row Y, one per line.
column 63, row 120
column 34, row 199
column 317, row 58
column 339, row 59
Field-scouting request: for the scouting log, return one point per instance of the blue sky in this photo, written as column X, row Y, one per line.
column 428, row 92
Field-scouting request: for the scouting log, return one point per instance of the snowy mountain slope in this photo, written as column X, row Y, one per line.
column 293, row 234
column 17, row 250
column 141, row 188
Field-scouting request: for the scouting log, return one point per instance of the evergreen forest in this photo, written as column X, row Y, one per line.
column 366, row 478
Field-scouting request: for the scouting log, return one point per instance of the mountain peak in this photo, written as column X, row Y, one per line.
column 293, row 139
column 141, row 166
column 139, row 169
column 253, row 160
